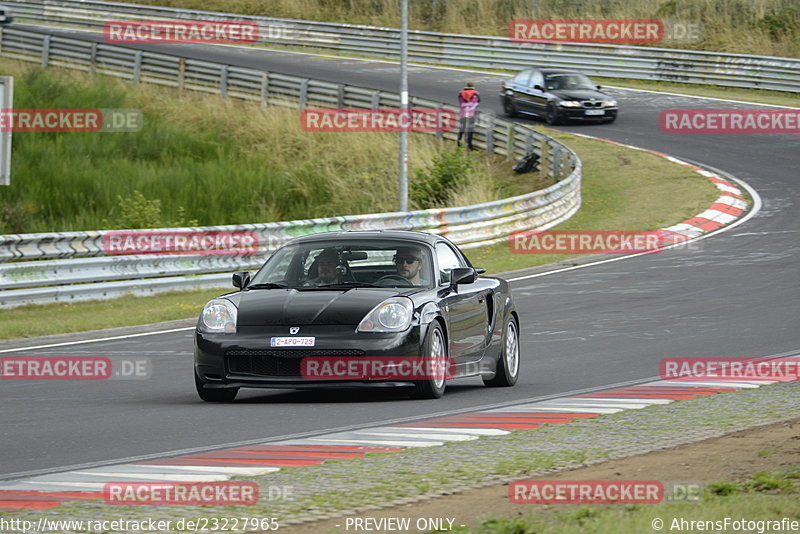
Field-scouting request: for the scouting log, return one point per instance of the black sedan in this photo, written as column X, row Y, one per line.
column 557, row 96
column 366, row 308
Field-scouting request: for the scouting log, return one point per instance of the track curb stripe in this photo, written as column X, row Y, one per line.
column 270, row 457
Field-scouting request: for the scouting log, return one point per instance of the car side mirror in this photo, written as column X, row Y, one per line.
column 599, row 87
column 241, row 279
column 538, row 87
column 462, row 275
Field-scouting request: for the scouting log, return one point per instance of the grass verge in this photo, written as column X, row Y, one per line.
column 201, row 160
column 764, row 499
column 623, row 189
column 62, row 318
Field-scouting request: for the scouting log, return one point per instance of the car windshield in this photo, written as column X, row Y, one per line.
column 567, row 81
column 343, row 264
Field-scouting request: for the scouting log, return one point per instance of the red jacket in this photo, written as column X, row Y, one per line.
column 468, row 99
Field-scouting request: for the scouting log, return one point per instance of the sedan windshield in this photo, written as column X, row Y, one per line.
column 554, row 82
column 342, row 265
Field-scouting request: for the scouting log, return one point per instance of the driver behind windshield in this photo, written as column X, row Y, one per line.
column 327, row 269
column 408, row 261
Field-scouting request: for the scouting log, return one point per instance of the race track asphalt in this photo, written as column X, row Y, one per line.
column 734, row 294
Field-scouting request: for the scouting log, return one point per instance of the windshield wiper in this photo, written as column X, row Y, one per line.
column 344, row 285
column 352, row 284
column 266, row 286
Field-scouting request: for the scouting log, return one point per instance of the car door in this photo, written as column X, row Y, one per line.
column 522, row 90
column 538, row 96
column 465, row 309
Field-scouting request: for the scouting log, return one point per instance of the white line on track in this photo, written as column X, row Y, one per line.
column 113, row 338
column 757, row 204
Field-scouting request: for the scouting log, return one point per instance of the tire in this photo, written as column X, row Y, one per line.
column 435, row 348
column 509, row 108
column 551, row 115
column 507, row 370
column 214, row 395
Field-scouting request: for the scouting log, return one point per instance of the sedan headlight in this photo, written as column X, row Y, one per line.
column 218, row 317
column 392, row 315
column 610, row 103
column 570, row 103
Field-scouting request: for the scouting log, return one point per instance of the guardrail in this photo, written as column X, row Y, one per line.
column 613, row 61
column 70, row 266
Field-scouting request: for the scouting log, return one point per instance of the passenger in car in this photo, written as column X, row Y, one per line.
column 328, row 269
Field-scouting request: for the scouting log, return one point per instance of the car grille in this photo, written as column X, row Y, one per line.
column 283, row 362
column 593, row 103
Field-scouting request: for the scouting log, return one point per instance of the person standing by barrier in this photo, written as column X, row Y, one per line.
column 468, row 100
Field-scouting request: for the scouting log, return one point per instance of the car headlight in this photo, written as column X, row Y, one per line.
column 610, row 103
column 392, row 315
column 218, row 317
column 570, row 103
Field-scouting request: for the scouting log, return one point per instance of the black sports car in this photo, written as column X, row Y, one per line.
column 337, row 309
column 557, row 96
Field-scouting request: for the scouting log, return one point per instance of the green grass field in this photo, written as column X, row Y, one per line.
column 203, row 160
column 764, row 499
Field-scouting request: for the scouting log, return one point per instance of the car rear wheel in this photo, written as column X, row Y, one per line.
column 435, row 355
column 214, row 395
column 507, row 370
column 509, row 108
column 551, row 115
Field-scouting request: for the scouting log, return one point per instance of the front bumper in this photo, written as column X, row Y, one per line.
column 580, row 114
column 246, row 359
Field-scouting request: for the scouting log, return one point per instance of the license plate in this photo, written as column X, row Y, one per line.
column 595, row 112
column 292, row 341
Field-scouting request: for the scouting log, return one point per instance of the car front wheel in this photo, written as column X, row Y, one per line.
column 435, row 355
column 507, row 370
column 509, row 108
column 214, row 395
column 551, row 115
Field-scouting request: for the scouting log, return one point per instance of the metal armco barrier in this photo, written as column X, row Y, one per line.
column 613, row 61
column 71, row 266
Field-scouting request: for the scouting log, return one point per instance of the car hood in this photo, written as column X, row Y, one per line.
column 580, row 94
column 306, row 307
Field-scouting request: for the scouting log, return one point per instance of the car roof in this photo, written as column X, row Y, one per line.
column 559, row 71
column 395, row 235
column 547, row 71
